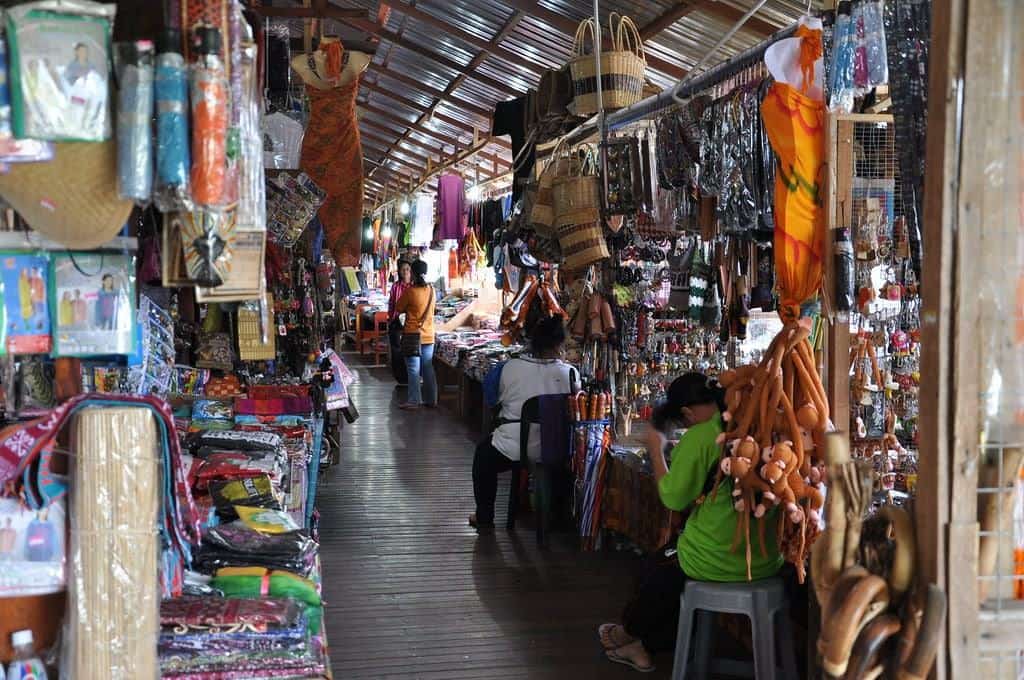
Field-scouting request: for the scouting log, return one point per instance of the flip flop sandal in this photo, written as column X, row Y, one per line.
column 604, row 633
column 615, row 658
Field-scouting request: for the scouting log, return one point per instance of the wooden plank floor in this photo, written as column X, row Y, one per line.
column 412, row 592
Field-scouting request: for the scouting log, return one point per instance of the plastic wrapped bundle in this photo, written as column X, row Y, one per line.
column 209, row 88
column 172, row 150
column 113, row 596
column 252, row 199
column 134, row 113
column 16, row 150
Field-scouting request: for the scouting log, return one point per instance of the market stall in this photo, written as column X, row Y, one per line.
column 171, row 390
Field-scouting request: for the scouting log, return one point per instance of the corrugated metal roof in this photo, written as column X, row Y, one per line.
column 418, row 60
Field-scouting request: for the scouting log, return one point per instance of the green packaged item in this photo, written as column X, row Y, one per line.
column 256, row 582
column 266, row 520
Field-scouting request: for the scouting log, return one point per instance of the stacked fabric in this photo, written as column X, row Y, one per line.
column 208, row 638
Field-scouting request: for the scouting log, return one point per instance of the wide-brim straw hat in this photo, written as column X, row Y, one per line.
column 71, row 199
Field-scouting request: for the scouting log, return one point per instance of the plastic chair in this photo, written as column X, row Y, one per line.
column 541, row 472
column 763, row 602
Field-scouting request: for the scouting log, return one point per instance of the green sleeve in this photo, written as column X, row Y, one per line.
column 691, row 459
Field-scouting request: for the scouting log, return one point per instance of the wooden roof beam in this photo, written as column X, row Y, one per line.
column 388, row 144
column 429, row 91
column 417, row 106
column 734, row 14
column 390, row 36
column 492, row 47
column 316, row 9
column 440, row 137
column 669, row 17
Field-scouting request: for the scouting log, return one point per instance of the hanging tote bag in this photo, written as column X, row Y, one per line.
column 577, row 196
column 411, row 342
column 576, row 187
column 622, row 67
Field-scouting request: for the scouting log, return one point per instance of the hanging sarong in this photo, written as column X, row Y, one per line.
column 795, row 126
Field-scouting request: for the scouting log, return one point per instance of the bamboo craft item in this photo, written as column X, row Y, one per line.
column 113, row 598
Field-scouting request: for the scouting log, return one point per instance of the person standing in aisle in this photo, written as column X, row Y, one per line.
column 703, row 552
column 417, row 303
column 398, row 289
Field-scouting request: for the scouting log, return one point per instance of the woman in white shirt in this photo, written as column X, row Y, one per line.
column 539, row 373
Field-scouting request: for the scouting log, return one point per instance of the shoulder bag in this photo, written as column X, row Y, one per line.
column 410, row 342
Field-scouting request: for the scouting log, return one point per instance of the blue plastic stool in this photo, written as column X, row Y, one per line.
column 763, row 602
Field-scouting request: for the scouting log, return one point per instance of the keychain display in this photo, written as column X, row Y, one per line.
column 92, row 302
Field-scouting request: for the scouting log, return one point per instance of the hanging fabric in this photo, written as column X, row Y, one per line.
column 794, row 121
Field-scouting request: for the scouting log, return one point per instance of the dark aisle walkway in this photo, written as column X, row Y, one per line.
column 411, row 591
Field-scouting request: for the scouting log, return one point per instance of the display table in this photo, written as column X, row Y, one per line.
column 632, row 506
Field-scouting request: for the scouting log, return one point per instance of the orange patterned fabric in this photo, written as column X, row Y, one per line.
column 333, row 157
column 795, row 126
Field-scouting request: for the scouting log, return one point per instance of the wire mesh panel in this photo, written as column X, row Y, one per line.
column 884, row 361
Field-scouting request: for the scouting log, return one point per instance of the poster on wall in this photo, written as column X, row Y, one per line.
column 93, row 304
column 25, row 281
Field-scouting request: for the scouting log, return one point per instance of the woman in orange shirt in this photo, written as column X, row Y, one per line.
column 417, row 304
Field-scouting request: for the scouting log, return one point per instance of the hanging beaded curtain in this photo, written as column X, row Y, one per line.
column 794, row 123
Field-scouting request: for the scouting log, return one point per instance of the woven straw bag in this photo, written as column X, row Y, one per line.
column 582, row 240
column 622, row 67
column 576, row 189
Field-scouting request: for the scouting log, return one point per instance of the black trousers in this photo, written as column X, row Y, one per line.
column 397, row 360
column 652, row 616
column 488, row 463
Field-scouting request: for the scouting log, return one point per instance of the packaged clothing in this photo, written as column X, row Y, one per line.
column 242, row 441
column 235, row 544
column 256, row 492
column 282, row 137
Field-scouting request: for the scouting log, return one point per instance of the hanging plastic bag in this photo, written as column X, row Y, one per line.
column 134, row 115
column 209, row 88
column 172, row 141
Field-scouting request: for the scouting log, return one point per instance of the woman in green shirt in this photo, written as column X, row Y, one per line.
column 704, row 550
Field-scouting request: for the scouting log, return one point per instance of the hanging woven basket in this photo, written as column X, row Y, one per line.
column 622, row 68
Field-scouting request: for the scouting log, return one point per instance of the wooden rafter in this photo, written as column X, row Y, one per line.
column 444, row 140
column 429, row 91
column 492, row 47
column 316, row 9
column 468, row 72
column 668, row 18
column 416, row 106
column 390, row 36
column 385, row 144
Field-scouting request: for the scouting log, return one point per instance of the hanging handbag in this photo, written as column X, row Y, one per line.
column 410, row 343
column 622, row 67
